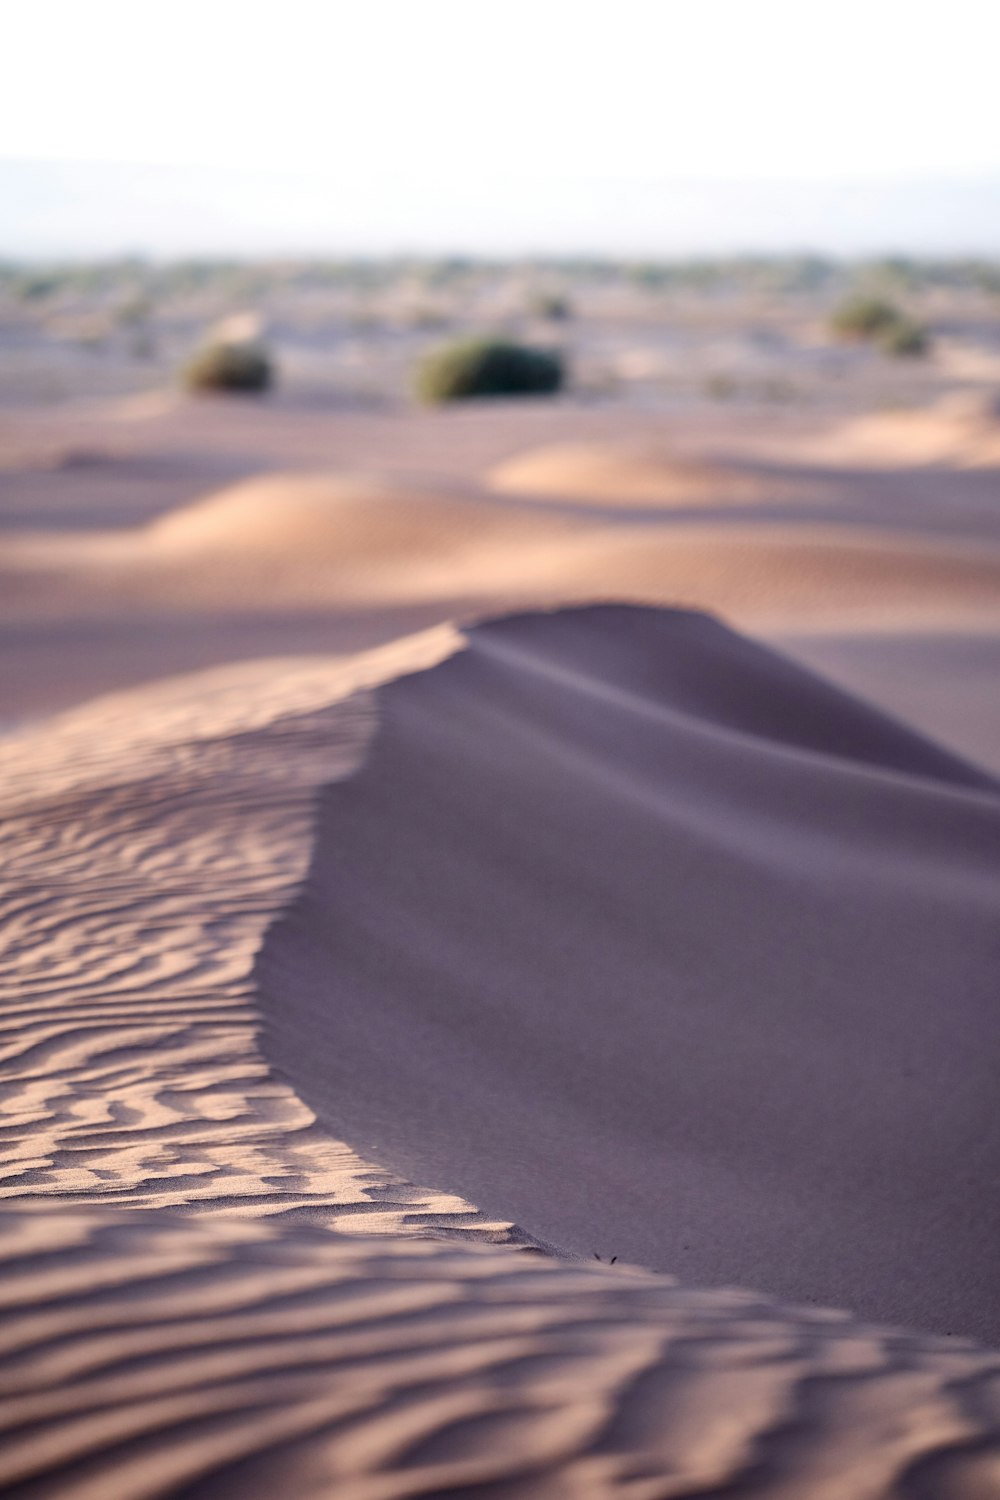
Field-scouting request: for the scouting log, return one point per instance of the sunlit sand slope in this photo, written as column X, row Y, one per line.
column 297, row 546
column 626, row 921
column 640, row 474
column 961, row 430
column 147, row 840
column 144, row 1355
column 642, row 936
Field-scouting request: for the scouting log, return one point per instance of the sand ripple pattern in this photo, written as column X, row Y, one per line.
column 147, row 840
column 142, row 1355
column 223, row 1337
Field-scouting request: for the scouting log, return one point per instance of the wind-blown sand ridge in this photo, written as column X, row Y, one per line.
column 670, row 947
column 622, row 933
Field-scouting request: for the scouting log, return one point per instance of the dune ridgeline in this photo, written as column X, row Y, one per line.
column 635, row 939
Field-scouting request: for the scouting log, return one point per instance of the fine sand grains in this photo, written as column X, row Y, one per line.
column 181, row 1312
column 148, row 1355
column 670, row 949
column 609, row 921
column 148, row 839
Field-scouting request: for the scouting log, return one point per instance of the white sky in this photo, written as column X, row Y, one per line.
column 531, row 97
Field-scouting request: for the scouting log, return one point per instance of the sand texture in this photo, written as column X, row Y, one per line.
column 729, row 1010
column 410, row 893
column 145, row 1354
column 175, row 823
column 637, row 474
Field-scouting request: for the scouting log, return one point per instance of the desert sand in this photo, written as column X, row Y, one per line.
column 425, row 873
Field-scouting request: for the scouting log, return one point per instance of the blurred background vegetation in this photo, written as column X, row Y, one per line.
column 358, row 331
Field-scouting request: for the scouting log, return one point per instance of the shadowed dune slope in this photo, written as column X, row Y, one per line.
column 639, row 934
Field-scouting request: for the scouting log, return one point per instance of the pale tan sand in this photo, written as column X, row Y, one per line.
column 336, row 562
column 691, row 958
column 640, row 474
column 768, row 577
column 150, row 838
column 147, row 841
column 143, row 1355
column 960, row 430
column 807, row 853
column 98, row 597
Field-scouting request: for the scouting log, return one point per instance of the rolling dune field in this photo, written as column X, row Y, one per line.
column 500, row 938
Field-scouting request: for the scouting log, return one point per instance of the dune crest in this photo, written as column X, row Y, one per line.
column 158, row 831
column 207, row 1292
column 342, row 516
column 693, row 953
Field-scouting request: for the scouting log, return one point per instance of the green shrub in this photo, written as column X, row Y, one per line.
column 35, row 288
column 864, row 318
column 904, row 339
column 721, row 387
column 484, row 367
column 233, row 367
column 551, row 306
column 133, row 311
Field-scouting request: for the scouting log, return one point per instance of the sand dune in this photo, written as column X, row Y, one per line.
column 765, row 577
column 298, row 543
column 144, row 1355
column 639, row 474
column 353, row 999
column 147, row 841
column 942, row 682
column 183, row 1312
column 961, row 429
column 347, row 517
column 670, row 950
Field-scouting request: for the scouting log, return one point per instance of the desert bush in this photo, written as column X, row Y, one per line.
column 552, row 306
column 133, row 311
column 236, row 367
column 883, row 323
column 425, row 316
column 720, row 387
column 864, row 317
column 37, row 287
column 904, row 339
column 485, row 367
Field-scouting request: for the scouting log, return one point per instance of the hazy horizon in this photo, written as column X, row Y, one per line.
column 648, row 128
column 76, row 210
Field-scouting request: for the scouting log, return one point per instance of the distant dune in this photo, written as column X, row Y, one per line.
column 641, row 474
column 961, row 430
column 410, row 893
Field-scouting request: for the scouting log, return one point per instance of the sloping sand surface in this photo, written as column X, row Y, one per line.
column 767, row 577
column 943, row 683
column 145, row 1355
column 622, row 937
column 147, row 841
column 961, row 429
column 669, row 950
column 350, row 517
column 182, row 1311
column 636, row 473
column 335, row 563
